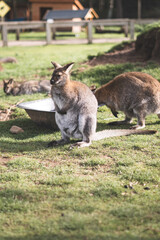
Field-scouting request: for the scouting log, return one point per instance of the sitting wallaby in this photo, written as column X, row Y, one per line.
column 11, row 87
column 134, row 93
column 76, row 110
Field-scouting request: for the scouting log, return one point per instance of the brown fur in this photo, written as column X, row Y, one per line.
column 11, row 87
column 134, row 93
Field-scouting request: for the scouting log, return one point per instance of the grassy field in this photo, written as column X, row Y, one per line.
column 109, row 191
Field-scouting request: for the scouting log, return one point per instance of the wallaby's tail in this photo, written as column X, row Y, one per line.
column 119, row 132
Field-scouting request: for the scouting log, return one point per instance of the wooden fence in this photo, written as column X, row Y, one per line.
column 50, row 28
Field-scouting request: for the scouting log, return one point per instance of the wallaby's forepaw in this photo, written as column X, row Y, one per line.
column 115, row 113
column 61, row 112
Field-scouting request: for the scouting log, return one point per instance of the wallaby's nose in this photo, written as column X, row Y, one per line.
column 51, row 81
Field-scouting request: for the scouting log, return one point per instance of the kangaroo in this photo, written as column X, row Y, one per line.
column 134, row 93
column 76, row 110
column 11, row 87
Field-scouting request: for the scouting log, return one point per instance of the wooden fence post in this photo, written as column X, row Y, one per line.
column 17, row 34
column 132, row 29
column 48, row 33
column 89, row 32
column 126, row 29
column 4, row 35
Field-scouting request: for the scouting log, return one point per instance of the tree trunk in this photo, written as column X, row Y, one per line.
column 111, row 6
column 91, row 3
column 101, row 5
column 139, row 9
column 14, row 9
column 119, row 12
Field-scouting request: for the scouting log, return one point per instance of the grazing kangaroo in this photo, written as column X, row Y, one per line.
column 76, row 110
column 134, row 93
column 11, row 87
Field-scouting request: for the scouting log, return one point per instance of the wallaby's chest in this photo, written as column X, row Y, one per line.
column 63, row 97
column 59, row 100
column 69, row 124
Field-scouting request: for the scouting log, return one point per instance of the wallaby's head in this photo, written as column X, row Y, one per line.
column 8, row 86
column 60, row 74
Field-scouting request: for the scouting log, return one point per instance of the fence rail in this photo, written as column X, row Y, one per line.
column 50, row 28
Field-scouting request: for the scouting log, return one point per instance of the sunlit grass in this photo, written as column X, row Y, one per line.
column 107, row 191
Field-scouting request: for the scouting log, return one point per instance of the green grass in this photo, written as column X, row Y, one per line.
column 34, row 62
column 107, row 191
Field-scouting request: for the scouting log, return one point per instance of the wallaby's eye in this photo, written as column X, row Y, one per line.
column 57, row 76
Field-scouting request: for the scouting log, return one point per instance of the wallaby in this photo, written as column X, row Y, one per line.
column 11, row 87
column 8, row 60
column 76, row 110
column 136, row 94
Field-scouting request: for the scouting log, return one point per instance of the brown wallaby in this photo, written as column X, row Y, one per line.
column 76, row 110
column 134, row 93
column 11, row 87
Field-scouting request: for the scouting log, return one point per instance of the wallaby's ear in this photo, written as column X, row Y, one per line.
column 68, row 67
column 93, row 88
column 56, row 65
column 11, row 80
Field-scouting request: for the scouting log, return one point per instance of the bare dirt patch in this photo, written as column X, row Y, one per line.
column 1, row 68
column 127, row 54
column 4, row 160
column 6, row 114
column 146, row 47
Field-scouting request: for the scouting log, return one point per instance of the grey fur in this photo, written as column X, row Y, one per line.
column 76, row 107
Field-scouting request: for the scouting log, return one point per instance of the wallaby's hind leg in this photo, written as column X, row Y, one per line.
column 127, row 120
column 83, row 144
column 88, row 129
column 140, row 123
column 86, row 142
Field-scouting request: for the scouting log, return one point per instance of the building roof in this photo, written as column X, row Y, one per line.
column 68, row 14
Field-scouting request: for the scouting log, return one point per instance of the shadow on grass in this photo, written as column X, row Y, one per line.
column 30, row 128
column 75, row 236
column 108, row 125
column 25, row 141
column 34, row 136
column 32, row 139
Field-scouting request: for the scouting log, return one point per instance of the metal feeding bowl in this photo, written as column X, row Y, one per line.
column 41, row 112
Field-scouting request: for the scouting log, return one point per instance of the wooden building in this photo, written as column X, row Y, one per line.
column 38, row 8
column 74, row 15
column 62, row 10
column 35, row 10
